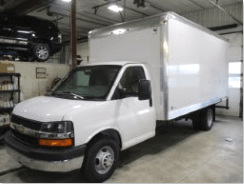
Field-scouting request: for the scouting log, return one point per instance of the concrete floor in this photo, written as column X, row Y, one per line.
column 177, row 154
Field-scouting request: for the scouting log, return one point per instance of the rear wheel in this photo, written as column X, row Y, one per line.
column 41, row 52
column 204, row 119
column 101, row 160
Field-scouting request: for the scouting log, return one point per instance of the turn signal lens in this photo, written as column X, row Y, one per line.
column 55, row 142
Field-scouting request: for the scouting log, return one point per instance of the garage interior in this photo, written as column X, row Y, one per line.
column 177, row 153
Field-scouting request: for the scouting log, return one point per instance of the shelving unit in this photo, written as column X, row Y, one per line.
column 11, row 92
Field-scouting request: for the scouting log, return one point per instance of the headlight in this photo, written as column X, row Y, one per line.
column 57, row 130
column 57, row 127
column 59, row 37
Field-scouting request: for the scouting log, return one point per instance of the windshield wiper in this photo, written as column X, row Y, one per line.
column 69, row 93
column 76, row 95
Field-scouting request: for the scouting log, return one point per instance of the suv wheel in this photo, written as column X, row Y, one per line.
column 41, row 52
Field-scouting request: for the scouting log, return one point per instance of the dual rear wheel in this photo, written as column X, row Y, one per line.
column 204, row 119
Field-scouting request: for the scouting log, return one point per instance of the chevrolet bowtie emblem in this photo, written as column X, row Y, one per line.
column 20, row 129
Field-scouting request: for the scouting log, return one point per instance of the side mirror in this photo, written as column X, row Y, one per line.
column 144, row 90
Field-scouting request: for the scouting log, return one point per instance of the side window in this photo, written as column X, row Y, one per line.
column 23, row 22
column 130, row 79
column 129, row 83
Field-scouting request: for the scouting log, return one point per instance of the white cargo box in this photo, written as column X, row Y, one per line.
column 187, row 62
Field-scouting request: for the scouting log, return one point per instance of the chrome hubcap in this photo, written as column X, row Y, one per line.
column 42, row 52
column 104, row 160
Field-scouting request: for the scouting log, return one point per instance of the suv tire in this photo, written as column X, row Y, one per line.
column 41, row 52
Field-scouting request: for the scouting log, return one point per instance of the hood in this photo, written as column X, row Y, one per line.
column 46, row 109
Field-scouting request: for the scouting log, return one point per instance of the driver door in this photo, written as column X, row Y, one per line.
column 135, row 118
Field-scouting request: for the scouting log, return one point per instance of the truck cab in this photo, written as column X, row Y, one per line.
column 93, row 113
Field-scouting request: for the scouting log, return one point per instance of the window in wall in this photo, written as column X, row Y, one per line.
column 234, row 74
column 235, row 68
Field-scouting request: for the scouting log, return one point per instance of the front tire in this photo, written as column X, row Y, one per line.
column 101, row 160
column 41, row 52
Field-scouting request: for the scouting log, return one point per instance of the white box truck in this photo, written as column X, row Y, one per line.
column 160, row 68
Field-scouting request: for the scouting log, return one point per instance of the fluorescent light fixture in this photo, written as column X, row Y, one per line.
column 115, row 8
column 119, row 31
column 66, row 0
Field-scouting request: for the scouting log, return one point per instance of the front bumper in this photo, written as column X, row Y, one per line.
column 45, row 159
column 4, row 127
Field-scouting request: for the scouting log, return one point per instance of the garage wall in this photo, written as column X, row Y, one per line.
column 235, row 58
column 82, row 50
column 56, row 58
column 30, row 86
column 215, row 17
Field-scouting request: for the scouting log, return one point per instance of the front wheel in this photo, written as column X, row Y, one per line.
column 101, row 160
column 41, row 52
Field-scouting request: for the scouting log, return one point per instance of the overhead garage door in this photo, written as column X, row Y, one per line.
column 235, row 58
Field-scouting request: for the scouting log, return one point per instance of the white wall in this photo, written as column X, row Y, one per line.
column 30, row 86
column 235, row 55
column 214, row 17
column 82, row 50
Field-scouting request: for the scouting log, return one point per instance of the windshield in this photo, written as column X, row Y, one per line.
column 93, row 82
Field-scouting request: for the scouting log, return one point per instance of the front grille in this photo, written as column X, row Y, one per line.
column 31, row 141
column 34, row 125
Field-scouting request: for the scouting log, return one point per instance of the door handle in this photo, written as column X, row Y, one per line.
column 7, row 29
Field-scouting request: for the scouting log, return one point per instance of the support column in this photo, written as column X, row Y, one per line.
column 73, row 34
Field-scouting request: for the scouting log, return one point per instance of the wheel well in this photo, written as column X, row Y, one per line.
column 196, row 113
column 113, row 134
column 40, row 40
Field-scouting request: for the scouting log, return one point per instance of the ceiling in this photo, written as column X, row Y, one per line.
column 59, row 11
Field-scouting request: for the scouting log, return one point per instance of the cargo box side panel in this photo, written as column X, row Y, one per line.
column 197, row 69
column 138, row 45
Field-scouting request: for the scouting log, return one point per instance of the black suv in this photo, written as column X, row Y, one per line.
column 29, row 37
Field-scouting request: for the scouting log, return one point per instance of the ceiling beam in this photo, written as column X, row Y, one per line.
column 79, row 28
column 200, row 6
column 218, row 28
column 68, row 31
column 80, row 19
column 156, row 7
column 105, row 4
column 99, row 16
column 80, row 40
column 222, row 9
column 29, row 6
column 90, row 15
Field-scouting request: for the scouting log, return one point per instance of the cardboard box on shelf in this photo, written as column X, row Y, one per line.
column 7, row 68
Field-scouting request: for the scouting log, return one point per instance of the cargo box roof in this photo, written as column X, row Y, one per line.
column 149, row 22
